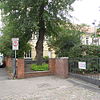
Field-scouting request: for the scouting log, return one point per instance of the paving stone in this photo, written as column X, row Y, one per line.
column 48, row 88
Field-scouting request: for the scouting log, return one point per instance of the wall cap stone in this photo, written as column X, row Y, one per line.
column 63, row 58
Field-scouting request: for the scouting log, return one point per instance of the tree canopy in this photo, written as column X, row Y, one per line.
column 22, row 18
column 87, row 51
column 67, row 39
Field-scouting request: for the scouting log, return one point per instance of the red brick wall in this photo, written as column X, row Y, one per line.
column 59, row 66
column 40, row 73
column 20, row 68
column 52, row 63
column 8, row 62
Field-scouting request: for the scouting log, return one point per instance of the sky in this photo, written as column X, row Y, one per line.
column 86, row 11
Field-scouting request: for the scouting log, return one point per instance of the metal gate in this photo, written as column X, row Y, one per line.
column 87, row 69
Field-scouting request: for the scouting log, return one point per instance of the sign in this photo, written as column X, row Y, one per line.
column 82, row 65
column 15, row 43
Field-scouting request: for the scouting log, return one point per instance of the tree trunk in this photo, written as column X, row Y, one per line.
column 39, row 44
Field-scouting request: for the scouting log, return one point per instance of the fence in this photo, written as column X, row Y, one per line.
column 30, row 66
column 87, row 69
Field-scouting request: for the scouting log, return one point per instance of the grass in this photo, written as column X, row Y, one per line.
column 42, row 67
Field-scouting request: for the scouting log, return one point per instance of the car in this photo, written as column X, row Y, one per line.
column 1, row 61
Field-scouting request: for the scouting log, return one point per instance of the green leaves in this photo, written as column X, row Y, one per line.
column 85, row 51
column 21, row 18
column 66, row 39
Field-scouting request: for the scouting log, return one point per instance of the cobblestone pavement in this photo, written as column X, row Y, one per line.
column 48, row 88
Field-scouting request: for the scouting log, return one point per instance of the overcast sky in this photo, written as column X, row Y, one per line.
column 86, row 11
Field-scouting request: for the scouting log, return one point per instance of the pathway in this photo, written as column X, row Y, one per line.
column 48, row 88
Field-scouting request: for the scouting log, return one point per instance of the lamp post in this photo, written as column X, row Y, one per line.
column 95, row 39
column 94, row 29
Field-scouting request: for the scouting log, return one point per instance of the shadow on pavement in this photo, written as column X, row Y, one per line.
column 83, row 84
column 3, row 74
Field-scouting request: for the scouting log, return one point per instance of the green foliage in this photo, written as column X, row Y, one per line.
column 42, row 67
column 22, row 18
column 98, row 31
column 45, row 57
column 87, row 51
column 92, row 65
column 6, row 46
column 68, row 38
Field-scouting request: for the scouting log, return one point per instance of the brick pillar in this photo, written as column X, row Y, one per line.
column 61, row 67
column 20, row 68
column 52, row 65
column 8, row 62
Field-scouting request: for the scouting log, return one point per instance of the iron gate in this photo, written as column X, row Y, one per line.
column 89, row 71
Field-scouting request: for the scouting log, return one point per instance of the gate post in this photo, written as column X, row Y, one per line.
column 61, row 67
column 20, row 68
column 52, row 62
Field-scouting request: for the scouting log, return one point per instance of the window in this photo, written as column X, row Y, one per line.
column 28, row 54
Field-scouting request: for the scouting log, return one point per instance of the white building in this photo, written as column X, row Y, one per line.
column 46, row 51
column 90, row 36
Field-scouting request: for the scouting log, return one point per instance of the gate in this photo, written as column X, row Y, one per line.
column 87, row 69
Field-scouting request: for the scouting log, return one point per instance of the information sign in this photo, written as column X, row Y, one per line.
column 82, row 65
column 15, row 43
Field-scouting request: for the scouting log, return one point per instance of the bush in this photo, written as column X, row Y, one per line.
column 45, row 57
column 88, row 51
column 42, row 67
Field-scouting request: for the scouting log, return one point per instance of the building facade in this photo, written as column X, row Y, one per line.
column 46, row 51
column 90, row 36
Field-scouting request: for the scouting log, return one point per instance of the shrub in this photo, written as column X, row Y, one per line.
column 45, row 57
column 42, row 67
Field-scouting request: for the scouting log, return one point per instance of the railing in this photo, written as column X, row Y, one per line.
column 85, row 68
column 29, row 63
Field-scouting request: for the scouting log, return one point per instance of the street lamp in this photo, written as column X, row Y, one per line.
column 95, row 36
column 94, row 29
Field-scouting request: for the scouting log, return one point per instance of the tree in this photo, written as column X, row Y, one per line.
column 88, row 51
column 6, row 47
column 41, row 17
column 68, row 38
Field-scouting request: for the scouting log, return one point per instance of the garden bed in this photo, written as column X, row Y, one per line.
column 34, row 67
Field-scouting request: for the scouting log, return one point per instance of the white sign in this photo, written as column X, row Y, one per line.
column 82, row 65
column 15, row 43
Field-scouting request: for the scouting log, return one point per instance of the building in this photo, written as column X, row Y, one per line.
column 90, row 36
column 46, row 51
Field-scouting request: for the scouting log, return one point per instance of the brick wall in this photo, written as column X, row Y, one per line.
column 8, row 62
column 38, row 73
column 52, row 63
column 20, row 68
column 59, row 66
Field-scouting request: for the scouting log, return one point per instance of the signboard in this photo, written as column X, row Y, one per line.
column 15, row 43
column 82, row 65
